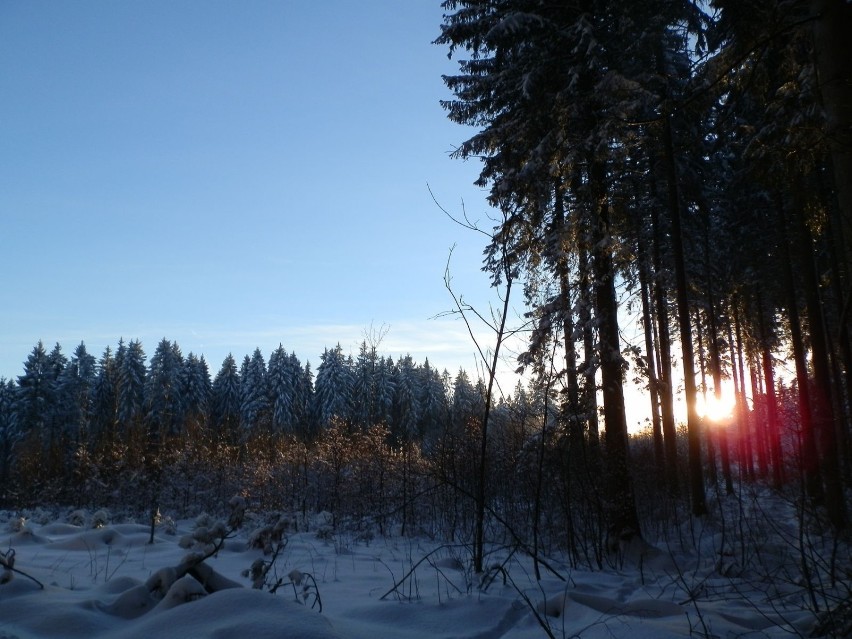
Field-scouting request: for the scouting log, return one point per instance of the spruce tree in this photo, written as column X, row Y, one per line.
column 9, row 434
column 281, row 390
column 105, row 398
column 333, row 389
column 33, row 392
column 75, row 388
column 385, row 385
column 131, row 385
column 53, row 418
column 254, row 395
column 364, row 388
column 434, row 404
column 306, row 392
column 407, row 410
column 226, row 400
column 163, row 392
column 467, row 404
column 196, row 391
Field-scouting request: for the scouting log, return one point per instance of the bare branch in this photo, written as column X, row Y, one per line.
column 465, row 222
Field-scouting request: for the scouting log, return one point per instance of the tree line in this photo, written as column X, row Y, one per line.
column 59, row 404
column 380, row 446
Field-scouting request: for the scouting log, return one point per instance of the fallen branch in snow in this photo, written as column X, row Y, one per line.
column 212, row 540
column 7, row 562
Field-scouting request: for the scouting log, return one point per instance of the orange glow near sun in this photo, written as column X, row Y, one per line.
column 716, row 409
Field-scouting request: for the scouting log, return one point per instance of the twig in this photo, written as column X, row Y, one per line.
column 7, row 561
column 415, row 566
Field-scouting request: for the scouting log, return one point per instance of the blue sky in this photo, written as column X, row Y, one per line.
column 230, row 175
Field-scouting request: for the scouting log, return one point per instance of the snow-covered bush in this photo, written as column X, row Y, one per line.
column 78, row 517
column 167, row 524
column 325, row 533
column 268, row 536
column 100, row 518
column 204, row 520
column 238, row 511
column 205, row 538
column 17, row 524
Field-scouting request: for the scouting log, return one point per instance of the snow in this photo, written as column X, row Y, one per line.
column 109, row 582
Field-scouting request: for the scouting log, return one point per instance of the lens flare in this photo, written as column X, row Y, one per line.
column 716, row 409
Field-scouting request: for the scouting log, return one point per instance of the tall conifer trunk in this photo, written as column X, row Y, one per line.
column 706, row 431
column 809, row 456
column 772, row 426
column 760, row 417
column 842, row 295
column 589, row 400
column 650, row 354
column 623, row 518
column 644, row 268
column 696, row 473
column 720, row 434
column 665, row 360
column 571, row 407
column 742, row 430
column 772, row 421
column 716, row 369
column 824, row 421
column 832, row 53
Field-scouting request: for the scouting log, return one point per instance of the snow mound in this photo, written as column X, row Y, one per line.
column 238, row 612
column 110, row 583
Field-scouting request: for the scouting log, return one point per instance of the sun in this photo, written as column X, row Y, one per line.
column 715, row 409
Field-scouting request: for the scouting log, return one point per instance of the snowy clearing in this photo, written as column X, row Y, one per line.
column 109, row 582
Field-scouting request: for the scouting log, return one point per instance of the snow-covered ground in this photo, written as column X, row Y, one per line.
column 110, row 582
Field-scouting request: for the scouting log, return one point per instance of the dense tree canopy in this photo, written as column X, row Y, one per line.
column 692, row 154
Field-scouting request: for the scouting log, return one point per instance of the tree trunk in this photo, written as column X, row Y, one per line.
column 706, row 430
column 623, row 518
column 824, row 421
column 742, row 430
column 696, row 474
column 832, row 53
column 589, row 398
column 665, row 361
column 650, row 354
column 644, row 268
column 716, row 368
column 809, row 455
column 759, row 417
column 772, row 421
column 720, row 431
column 479, row 524
column 772, row 427
column 844, row 374
column 539, row 481
column 571, row 406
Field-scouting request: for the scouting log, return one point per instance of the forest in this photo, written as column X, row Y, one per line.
column 687, row 164
column 75, row 429
column 699, row 156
